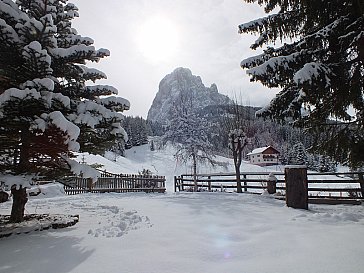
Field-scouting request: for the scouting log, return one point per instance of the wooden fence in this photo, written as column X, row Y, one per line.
column 109, row 182
column 334, row 186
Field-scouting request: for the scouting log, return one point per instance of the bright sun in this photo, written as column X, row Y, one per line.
column 157, row 39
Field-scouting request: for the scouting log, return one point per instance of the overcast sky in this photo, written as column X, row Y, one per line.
column 200, row 35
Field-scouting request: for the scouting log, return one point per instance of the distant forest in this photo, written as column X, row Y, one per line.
column 294, row 144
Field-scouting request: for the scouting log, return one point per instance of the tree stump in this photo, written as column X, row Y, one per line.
column 20, row 198
column 296, row 186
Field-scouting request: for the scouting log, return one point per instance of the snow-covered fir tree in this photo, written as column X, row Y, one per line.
column 186, row 131
column 47, row 111
column 298, row 155
column 320, row 71
column 138, row 131
column 326, row 164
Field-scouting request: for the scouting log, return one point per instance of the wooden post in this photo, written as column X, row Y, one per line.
column 209, row 182
column 361, row 182
column 89, row 184
column 115, row 184
column 271, row 184
column 245, row 183
column 175, row 184
column 182, row 183
column 296, row 186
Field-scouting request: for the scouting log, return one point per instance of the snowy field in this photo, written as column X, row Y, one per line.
column 184, row 232
column 188, row 233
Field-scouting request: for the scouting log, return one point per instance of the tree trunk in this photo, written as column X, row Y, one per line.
column 194, row 171
column 19, row 200
column 238, row 181
column 237, row 163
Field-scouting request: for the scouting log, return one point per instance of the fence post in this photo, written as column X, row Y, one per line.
column 175, row 183
column 245, row 183
column 361, row 182
column 296, row 186
column 89, row 184
column 271, row 184
column 181, row 185
column 209, row 182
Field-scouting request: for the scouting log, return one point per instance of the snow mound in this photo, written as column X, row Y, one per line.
column 49, row 190
column 119, row 222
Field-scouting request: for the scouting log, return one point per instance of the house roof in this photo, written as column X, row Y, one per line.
column 260, row 150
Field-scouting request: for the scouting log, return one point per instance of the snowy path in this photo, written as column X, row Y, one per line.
column 189, row 233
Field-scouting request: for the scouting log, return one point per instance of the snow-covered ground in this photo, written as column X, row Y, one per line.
column 187, row 232
column 184, row 232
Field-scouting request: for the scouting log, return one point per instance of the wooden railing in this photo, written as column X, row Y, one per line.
column 320, row 185
column 109, row 182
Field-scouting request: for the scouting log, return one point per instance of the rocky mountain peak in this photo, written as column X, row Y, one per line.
column 174, row 85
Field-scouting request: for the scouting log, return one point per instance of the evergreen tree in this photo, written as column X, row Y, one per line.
column 156, row 128
column 187, row 133
column 298, row 155
column 326, row 164
column 137, row 130
column 46, row 109
column 320, row 73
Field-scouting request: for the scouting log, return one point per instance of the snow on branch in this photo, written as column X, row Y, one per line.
column 71, row 40
column 119, row 131
column 290, row 95
column 93, row 74
column 254, row 61
column 50, row 97
column 10, row 12
column 18, row 94
column 57, row 119
column 102, row 52
column 39, row 84
column 272, row 26
column 274, row 63
column 79, row 52
column 70, row 6
column 311, row 71
column 72, row 51
column 91, row 114
column 37, row 58
column 35, row 89
column 99, row 90
column 15, row 180
column 117, row 104
column 8, row 34
column 322, row 33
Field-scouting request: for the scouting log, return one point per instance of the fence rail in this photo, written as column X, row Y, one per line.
column 115, row 183
column 349, row 186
